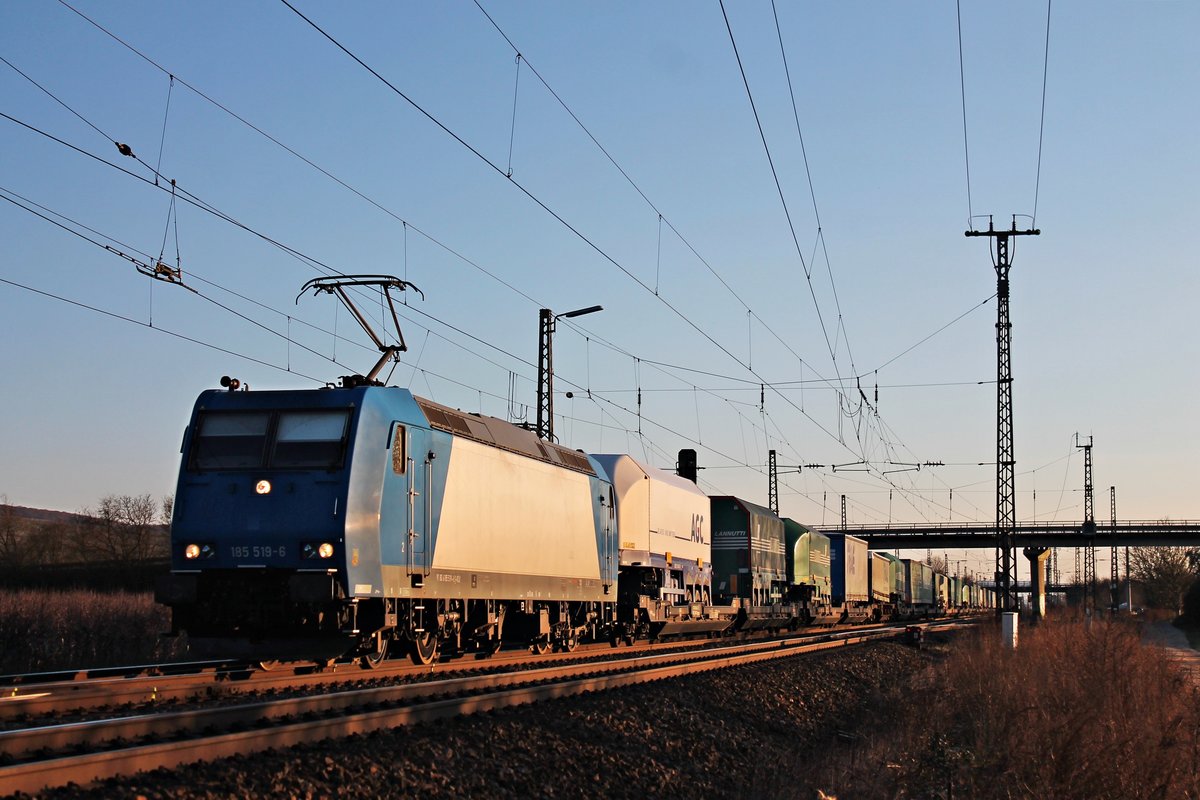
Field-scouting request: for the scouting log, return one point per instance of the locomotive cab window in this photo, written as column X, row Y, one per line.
column 310, row 439
column 233, row 440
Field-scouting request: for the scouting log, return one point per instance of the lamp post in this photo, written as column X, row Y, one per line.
column 545, row 408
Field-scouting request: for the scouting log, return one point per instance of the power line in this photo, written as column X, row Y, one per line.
column 315, row 166
column 1042, row 124
column 574, row 230
column 159, row 329
column 120, row 254
column 307, row 259
column 811, row 189
column 274, row 140
column 962, row 81
column 304, row 257
column 389, row 212
column 779, row 188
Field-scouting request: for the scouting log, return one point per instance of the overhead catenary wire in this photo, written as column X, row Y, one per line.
column 532, row 197
column 811, row 187
column 158, row 328
column 1037, row 185
column 779, row 188
column 754, row 382
column 847, row 409
column 236, row 353
column 375, row 203
column 286, row 369
column 306, row 259
column 962, row 82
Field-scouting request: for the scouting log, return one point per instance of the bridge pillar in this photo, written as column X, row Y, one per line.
column 1037, row 588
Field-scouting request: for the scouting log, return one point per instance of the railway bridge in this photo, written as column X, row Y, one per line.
column 1130, row 533
column 1036, row 540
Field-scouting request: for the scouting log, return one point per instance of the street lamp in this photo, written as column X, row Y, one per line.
column 545, row 408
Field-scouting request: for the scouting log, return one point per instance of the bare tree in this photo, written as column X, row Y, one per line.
column 124, row 528
column 1167, row 572
column 12, row 536
column 939, row 563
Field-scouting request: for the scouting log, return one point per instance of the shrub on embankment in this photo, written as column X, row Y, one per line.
column 1076, row 711
column 44, row 630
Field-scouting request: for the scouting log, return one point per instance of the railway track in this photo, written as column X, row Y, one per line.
column 81, row 752
column 31, row 699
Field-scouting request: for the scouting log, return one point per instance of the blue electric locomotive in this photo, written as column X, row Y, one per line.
column 312, row 524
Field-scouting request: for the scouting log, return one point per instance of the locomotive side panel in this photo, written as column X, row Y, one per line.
column 515, row 528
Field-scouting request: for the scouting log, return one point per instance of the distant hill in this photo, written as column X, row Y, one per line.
column 43, row 514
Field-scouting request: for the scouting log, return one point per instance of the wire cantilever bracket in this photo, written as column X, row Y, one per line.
column 336, row 284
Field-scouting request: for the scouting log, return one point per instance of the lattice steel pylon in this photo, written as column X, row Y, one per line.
column 1114, row 585
column 773, row 484
column 1006, row 487
column 545, row 406
column 1089, row 530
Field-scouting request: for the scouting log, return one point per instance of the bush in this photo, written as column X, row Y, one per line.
column 52, row 630
column 1076, row 711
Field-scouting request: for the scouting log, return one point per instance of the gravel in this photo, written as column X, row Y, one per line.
column 744, row 732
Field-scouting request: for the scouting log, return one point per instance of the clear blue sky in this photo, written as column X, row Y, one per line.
column 1103, row 342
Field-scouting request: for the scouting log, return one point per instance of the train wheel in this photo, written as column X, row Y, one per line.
column 570, row 643
column 267, row 666
column 376, row 657
column 540, row 647
column 424, row 649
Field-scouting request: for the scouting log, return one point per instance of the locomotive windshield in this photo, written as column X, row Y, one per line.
column 262, row 439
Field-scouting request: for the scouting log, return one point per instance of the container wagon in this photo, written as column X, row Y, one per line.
column 749, row 565
column 808, row 570
column 850, row 568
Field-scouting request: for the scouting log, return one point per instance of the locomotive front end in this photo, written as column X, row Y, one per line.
column 258, row 533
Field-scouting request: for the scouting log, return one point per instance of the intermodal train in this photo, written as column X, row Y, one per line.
column 356, row 522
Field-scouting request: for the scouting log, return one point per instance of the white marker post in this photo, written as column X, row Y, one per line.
column 1008, row 629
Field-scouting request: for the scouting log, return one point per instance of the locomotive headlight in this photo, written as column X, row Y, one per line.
column 315, row 550
column 191, row 551
column 263, row 487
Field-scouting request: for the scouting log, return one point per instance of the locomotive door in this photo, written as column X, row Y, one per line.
column 411, row 501
column 406, row 505
column 419, row 494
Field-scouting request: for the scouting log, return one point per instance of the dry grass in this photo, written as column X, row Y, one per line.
column 1076, row 711
column 44, row 630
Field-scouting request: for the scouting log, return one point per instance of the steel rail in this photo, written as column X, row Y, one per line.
column 33, row 701
column 492, row 692
column 59, row 736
